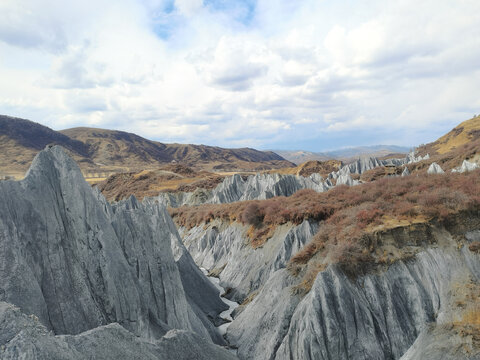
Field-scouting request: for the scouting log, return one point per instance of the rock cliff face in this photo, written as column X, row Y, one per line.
column 404, row 308
column 77, row 263
column 411, row 158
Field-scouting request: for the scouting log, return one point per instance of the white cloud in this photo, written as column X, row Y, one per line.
column 235, row 64
column 225, row 74
column 188, row 7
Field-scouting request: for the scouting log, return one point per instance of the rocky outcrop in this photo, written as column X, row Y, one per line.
column 434, row 168
column 379, row 317
column 76, row 262
column 346, row 179
column 405, row 171
column 255, row 187
column 364, row 164
column 24, row 337
column 265, row 186
column 466, row 166
column 258, row 337
column 411, row 158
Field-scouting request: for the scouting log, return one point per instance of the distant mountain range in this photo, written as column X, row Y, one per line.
column 301, row 156
column 100, row 150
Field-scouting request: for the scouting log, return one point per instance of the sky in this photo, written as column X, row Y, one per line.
column 270, row 74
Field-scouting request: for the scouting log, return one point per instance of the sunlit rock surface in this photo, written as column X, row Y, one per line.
column 434, row 168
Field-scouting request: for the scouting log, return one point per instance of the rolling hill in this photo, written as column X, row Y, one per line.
column 21, row 140
column 101, row 152
column 108, row 147
column 463, row 134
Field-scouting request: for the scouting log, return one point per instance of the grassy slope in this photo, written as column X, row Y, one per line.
column 463, row 134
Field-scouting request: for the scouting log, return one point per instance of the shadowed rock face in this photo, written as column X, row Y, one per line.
column 77, row 263
column 24, row 337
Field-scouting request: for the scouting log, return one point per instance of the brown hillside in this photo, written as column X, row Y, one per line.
column 101, row 152
column 109, row 147
column 214, row 158
column 21, row 140
column 449, row 151
column 463, row 134
column 119, row 148
column 308, row 168
column 169, row 178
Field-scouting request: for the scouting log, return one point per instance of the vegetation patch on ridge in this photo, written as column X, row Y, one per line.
column 347, row 216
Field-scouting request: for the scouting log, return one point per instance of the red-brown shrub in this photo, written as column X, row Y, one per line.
column 368, row 216
column 251, row 214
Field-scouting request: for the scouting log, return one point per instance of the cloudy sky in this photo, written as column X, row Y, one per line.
column 270, row 74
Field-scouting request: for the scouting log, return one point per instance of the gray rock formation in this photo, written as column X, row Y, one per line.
column 255, row 187
column 265, row 186
column 411, row 158
column 24, row 337
column 258, row 336
column 434, row 168
column 364, row 164
column 405, row 171
column 245, row 269
column 346, row 179
column 378, row 316
column 466, row 166
column 441, row 342
column 76, row 262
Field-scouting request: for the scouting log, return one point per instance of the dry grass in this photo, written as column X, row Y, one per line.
column 459, row 136
column 310, row 167
column 474, row 247
column 466, row 297
column 249, row 298
column 380, row 172
column 152, row 182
